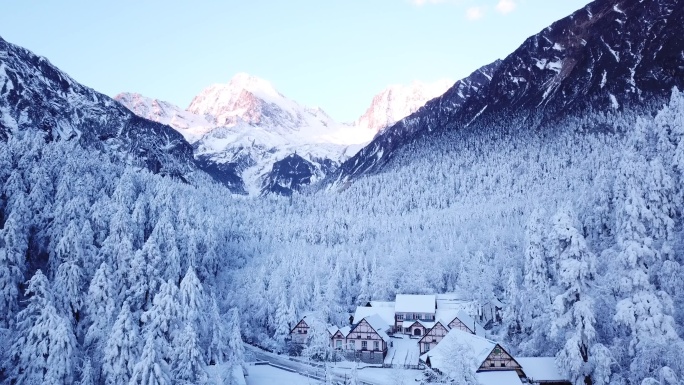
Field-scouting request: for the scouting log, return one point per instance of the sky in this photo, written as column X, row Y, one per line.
column 333, row 54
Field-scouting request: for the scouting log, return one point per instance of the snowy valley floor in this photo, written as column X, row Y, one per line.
column 267, row 374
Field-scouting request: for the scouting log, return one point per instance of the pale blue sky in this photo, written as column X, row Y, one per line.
column 328, row 53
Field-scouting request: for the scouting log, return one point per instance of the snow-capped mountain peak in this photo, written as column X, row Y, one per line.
column 398, row 101
column 249, row 99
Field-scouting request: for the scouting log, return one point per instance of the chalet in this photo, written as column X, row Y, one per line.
column 487, row 355
column 409, row 308
column 338, row 337
column 300, row 332
column 367, row 340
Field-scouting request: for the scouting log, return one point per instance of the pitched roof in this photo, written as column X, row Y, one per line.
column 541, row 369
column 385, row 312
column 382, row 304
column 460, row 342
column 415, row 303
column 427, row 333
column 470, row 323
column 379, row 325
column 332, row 330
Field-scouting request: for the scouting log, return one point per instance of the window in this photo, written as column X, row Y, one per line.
column 503, row 364
column 434, row 339
column 491, row 364
column 368, row 336
column 376, row 345
column 400, row 317
column 304, row 331
column 364, row 345
column 358, row 336
column 426, row 346
column 338, row 344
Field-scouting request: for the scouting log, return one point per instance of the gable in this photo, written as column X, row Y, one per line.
column 363, row 323
column 499, row 359
column 300, row 324
column 456, row 323
column 433, row 331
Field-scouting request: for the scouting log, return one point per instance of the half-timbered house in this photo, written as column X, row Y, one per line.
column 486, row 355
column 300, row 332
column 338, row 339
column 433, row 337
column 367, row 340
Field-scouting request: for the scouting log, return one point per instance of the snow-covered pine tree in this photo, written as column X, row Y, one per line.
column 217, row 350
column 162, row 320
column 188, row 363
column 87, row 376
column 574, row 306
column 152, row 368
column 235, row 345
column 45, row 350
column 536, row 288
column 68, row 287
column 318, row 340
column 122, row 349
column 100, row 306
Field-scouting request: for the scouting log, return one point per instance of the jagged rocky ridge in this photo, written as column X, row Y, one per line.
column 610, row 55
column 34, row 94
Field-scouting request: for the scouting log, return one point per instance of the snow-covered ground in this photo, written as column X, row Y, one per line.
column 404, row 351
column 267, row 375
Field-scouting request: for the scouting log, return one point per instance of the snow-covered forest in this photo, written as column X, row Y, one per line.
column 108, row 273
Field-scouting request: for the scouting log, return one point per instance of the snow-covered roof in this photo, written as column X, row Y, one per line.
column 345, row 330
column 380, row 326
column 382, row 304
column 459, row 343
column 502, row 377
column 386, row 313
column 332, row 330
column 470, row 323
column 453, row 301
column 415, row 303
column 540, row 369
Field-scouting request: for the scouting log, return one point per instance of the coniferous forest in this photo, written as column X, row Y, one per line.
column 112, row 273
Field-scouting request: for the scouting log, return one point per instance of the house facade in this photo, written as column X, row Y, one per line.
column 367, row 342
column 433, row 337
column 300, row 332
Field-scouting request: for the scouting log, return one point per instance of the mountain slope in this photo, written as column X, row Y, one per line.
column 434, row 114
column 34, row 94
column 612, row 54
